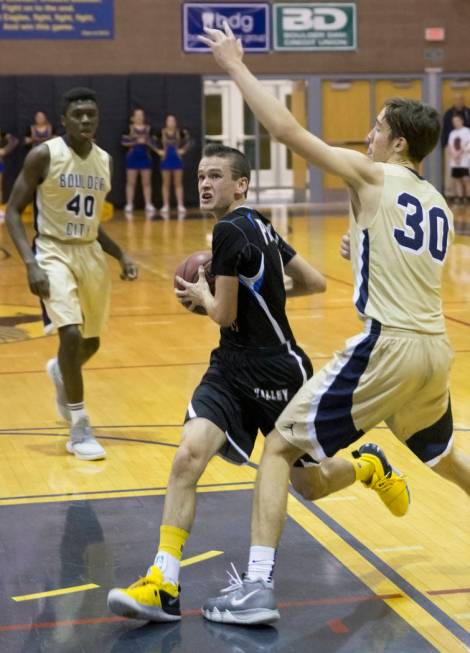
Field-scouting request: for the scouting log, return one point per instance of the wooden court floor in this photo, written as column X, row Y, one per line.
column 415, row 570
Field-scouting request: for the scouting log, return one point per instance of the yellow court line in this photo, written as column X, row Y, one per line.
column 65, row 590
column 248, row 485
column 416, row 616
column 91, row 586
column 202, row 556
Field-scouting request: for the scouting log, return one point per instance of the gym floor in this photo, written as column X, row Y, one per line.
column 350, row 577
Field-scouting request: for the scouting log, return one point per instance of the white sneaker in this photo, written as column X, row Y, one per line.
column 53, row 370
column 165, row 211
column 149, row 208
column 82, row 443
column 181, row 209
column 128, row 208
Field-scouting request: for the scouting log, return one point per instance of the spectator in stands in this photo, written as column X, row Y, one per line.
column 138, row 161
column 40, row 131
column 172, row 144
column 457, row 109
column 459, row 158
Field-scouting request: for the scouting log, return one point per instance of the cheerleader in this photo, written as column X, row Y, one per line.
column 40, row 131
column 173, row 145
column 138, row 161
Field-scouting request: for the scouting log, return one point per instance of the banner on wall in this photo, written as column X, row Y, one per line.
column 314, row 26
column 56, row 19
column 249, row 22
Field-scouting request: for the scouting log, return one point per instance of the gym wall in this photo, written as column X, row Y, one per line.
column 148, row 40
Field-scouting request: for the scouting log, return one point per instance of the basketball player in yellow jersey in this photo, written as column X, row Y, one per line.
column 396, row 370
column 69, row 177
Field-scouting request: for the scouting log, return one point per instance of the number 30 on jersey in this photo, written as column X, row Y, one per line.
column 423, row 230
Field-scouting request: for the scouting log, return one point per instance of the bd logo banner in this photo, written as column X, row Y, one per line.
column 315, row 26
column 250, row 22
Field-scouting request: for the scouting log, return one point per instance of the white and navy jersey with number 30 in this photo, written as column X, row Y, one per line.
column 398, row 260
column 246, row 246
column 69, row 202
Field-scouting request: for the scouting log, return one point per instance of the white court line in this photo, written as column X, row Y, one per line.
column 152, row 270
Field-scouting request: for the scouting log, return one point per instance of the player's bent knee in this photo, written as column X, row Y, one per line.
column 70, row 337
column 309, row 482
column 189, row 462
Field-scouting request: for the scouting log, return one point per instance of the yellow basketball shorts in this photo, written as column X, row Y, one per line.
column 79, row 282
column 384, row 374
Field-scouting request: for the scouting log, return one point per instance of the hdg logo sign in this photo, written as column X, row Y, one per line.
column 313, row 26
column 248, row 20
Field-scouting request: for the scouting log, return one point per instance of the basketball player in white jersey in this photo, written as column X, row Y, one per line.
column 397, row 370
column 68, row 178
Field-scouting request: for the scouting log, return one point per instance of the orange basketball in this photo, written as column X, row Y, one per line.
column 189, row 271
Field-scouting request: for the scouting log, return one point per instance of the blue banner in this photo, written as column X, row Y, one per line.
column 56, row 19
column 249, row 22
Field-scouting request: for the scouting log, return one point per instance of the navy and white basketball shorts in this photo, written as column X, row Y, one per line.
column 392, row 375
column 246, row 391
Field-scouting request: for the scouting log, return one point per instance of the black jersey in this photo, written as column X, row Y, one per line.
column 246, row 246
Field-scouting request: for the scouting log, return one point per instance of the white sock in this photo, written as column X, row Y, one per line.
column 169, row 566
column 261, row 563
column 77, row 411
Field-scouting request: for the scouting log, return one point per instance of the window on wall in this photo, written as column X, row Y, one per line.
column 213, row 113
column 230, row 121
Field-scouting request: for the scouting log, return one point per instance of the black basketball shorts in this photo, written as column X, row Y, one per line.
column 245, row 391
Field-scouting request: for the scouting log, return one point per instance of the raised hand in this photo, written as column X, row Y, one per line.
column 227, row 50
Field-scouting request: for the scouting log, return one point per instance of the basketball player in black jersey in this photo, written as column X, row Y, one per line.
column 252, row 375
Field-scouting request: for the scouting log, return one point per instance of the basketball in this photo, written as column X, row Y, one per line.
column 189, row 271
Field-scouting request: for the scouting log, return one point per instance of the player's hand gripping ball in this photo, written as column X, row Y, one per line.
column 189, row 271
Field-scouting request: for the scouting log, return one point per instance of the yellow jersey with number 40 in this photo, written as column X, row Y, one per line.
column 69, row 202
column 398, row 259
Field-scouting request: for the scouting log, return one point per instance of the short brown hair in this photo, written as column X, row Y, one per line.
column 417, row 122
column 238, row 162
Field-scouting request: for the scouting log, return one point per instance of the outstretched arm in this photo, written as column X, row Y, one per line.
column 354, row 167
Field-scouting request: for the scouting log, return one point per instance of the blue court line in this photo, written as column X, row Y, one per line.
column 406, row 587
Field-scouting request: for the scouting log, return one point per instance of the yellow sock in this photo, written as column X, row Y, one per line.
column 172, row 540
column 363, row 469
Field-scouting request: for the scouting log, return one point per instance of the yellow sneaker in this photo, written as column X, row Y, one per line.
column 150, row 598
column 389, row 484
